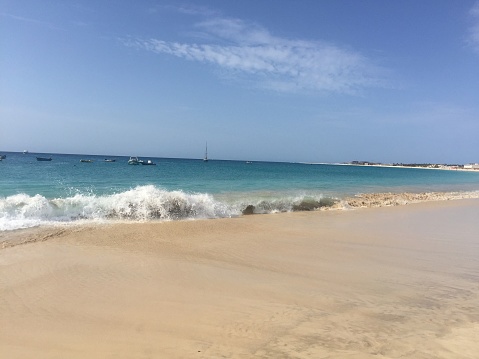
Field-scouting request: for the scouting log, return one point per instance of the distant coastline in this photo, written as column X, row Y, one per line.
column 431, row 166
column 427, row 166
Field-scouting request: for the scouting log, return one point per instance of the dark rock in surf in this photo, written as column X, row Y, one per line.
column 249, row 209
column 311, row 205
column 327, row 202
column 306, row 206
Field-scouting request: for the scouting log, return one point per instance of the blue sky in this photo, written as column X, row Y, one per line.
column 312, row 80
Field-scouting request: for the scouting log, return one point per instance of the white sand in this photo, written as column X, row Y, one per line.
column 399, row 282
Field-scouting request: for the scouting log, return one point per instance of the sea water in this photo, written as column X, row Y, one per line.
column 66, row 190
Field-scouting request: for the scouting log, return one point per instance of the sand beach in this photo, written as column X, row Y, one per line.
column 395, row 282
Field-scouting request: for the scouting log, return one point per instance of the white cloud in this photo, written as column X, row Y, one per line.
column 474, row 30
column 250, row 52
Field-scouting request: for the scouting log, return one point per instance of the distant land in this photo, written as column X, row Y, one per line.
column 464, row 167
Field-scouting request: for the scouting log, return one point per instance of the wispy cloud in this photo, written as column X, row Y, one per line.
column 187, row 9
column 29, row 20
column 248, row 51
column 473, row 39
column 191, row 9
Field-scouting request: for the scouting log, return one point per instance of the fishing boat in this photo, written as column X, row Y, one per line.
column 44, row 158
column 148, row 163
column 86, row 161
column 134, row 161
column 205, row 159
column 109, row 160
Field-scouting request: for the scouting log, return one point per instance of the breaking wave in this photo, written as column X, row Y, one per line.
column 142, row 203
column 145, row 203
column 139, row 204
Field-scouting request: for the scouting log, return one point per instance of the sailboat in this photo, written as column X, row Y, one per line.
column 205, row 159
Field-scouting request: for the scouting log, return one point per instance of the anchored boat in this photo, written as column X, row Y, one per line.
column 134, row 161
column 148, row 163
column 44, row 158
column 205, row 159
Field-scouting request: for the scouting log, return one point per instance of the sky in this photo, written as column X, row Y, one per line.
column 303, row 81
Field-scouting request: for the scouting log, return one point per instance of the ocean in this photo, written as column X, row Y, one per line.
column 65, row 190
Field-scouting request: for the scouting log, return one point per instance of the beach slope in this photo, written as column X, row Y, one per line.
column 371, row 283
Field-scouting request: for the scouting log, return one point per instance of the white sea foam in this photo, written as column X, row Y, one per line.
column 145, row 203
column 141, row 203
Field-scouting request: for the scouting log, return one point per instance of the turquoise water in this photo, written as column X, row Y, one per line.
column 65, row 189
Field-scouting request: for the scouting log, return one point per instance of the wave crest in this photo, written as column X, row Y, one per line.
column 141, row 203
column 145, row 203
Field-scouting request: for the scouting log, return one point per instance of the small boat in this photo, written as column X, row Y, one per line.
column 134, row 161
column 86, row 161
column 25, row 152
column 148, row 163
column 109, row 160
column 44, row 158
column 2, row 157
column 205, row 159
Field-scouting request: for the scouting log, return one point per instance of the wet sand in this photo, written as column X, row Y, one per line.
column 398, row 282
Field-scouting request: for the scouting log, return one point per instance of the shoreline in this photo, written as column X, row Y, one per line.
column 384, row 282
column 359, row 201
